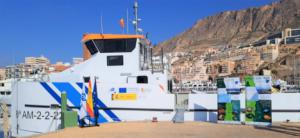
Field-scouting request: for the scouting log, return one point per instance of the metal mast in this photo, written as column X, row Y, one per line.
column 136, row 20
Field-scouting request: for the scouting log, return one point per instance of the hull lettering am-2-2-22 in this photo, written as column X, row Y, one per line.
column 39, row 115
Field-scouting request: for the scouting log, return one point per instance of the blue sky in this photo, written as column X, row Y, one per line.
column 54, row 28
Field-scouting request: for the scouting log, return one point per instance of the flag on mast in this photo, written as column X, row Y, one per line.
column 95, row 97
column 83, row 112
column 89, row 101
column 122, row 23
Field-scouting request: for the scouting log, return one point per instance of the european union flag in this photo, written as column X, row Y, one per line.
column 95, row 97
column 122, row 90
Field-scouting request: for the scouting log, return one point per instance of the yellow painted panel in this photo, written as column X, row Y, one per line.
column 124, row 96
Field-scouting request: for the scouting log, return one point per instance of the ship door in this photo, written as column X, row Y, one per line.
column 182, row 100
column 181, row 104
column 131, row 79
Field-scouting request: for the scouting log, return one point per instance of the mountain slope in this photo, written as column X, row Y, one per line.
column 236, row 27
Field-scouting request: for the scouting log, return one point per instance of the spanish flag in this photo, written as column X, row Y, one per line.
column 89, row 102
column 122, row 23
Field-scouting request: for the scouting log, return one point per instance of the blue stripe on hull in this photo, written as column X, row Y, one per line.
column 51, row 92
column 74, row 98
column 72, row 93
column 108, row 112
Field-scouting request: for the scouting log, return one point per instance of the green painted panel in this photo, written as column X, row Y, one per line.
column 69, row 119
column 249, row 81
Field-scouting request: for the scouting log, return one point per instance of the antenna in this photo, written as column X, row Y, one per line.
column 127, row 18
column 101, row 23
column 136, row 20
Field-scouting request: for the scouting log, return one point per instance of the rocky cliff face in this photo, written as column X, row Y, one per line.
column 237, row 27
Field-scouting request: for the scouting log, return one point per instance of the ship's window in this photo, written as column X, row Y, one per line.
column 86, row 79
column 8, row 93
column 170, row 85
column 115, row 45
column 2, row 84
column 91, row 47
column 142, row 79
column 2, row 93
column 115, row 60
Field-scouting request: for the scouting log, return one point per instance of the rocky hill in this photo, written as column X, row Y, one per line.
column 236, row 27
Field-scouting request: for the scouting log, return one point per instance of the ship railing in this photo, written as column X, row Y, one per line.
column 206, row 90
column 290, row 89
column 158, row 64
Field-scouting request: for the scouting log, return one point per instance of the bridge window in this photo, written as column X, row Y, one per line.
column 115, row 45
column 115, row 61
column 91, row 47
column 111, row 45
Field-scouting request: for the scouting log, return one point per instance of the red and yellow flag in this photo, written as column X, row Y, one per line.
column 122, row 23
column 89, row 102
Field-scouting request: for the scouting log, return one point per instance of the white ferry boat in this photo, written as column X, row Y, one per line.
column 122, row 66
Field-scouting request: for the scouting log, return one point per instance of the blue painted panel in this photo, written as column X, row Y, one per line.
column 122, row 90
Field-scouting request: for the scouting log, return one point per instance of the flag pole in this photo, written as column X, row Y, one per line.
column 95, row 97
column 127, row 18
